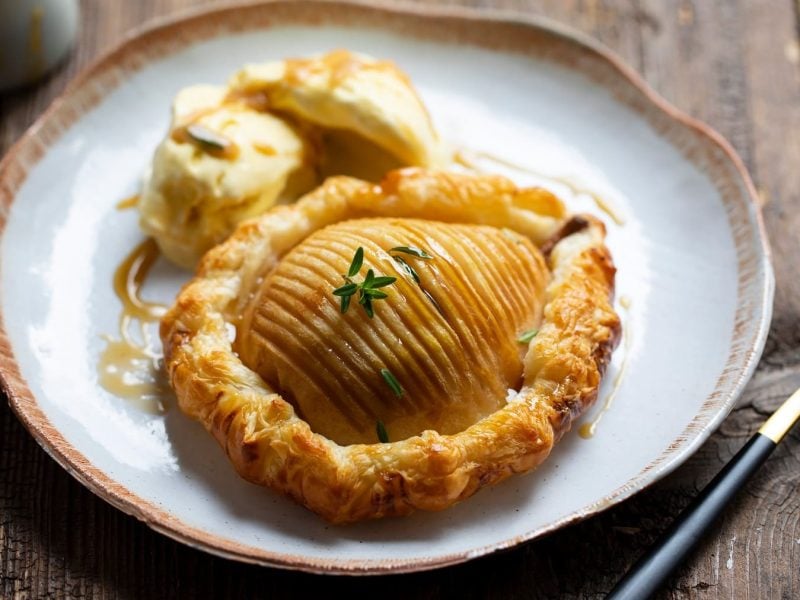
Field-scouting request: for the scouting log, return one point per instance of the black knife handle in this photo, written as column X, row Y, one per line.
column 650, row 571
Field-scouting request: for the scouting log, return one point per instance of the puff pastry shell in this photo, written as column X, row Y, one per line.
column 270, row 445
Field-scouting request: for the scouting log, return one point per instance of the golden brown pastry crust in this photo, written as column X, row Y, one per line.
column 269, row 445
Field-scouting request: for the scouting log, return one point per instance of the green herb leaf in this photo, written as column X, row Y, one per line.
column 346, row 290
column 366, row 302
column 406, row 267
column 392, row 382
column 358, row 260
column 379, row 282
column 375, row 294
column 380, row 429
column 418, row 252
column 409, row 270
column 367, row 290
column 527, row 336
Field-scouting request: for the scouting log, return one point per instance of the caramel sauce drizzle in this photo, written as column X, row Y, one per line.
column 129, row 279
column 340, row 64
column 258, row 100
column 264, row 149
column 133, row 373
column 129, row 202
column 129, row 368
column 460, row 157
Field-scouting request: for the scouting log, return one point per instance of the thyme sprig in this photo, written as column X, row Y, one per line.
column 413, row 251
column 367, row 290
column 392, row 382
column 411, row 272
column 404, row 266
column 355, row 265
column 380, row 429
column 407, row 268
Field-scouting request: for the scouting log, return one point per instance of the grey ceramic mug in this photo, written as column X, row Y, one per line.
column 34, row 36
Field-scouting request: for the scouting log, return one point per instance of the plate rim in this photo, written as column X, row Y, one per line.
column 24, row 405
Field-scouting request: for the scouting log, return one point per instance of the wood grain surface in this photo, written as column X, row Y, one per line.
column 732, row 63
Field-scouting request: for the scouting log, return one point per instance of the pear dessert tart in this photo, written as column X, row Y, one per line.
column 375, row 349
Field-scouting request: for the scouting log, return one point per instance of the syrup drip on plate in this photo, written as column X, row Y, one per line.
column 587, row 430
column 129, row 279
column 130, row 368
column 469, row 159
column 133, row 373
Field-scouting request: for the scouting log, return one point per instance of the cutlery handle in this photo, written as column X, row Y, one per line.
column 647, row 575
column 650, row 572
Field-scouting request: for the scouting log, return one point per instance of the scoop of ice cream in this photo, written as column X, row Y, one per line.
column 347, row 91
column 275, row 132
column 221, row 163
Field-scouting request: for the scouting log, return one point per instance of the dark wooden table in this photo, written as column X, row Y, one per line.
column 732, row 63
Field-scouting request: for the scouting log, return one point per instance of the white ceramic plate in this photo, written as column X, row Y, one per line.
column 691, row 255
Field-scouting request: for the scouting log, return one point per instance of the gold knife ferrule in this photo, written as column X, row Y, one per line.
column 782, row 420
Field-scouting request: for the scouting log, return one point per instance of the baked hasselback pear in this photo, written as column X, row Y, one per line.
column 375, row 349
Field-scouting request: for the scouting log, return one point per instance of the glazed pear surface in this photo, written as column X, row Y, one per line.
column 447, row 331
